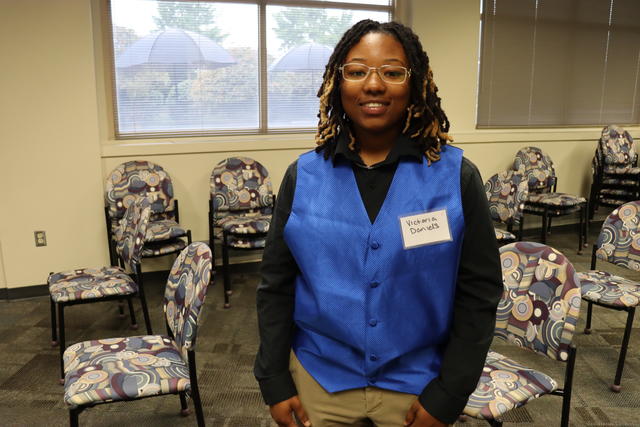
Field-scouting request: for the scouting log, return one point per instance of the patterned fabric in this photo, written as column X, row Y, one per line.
column 138, row 178
column 503, row 235
column 505, row 385
column 541, row 300
column 240, row 241
column 605, row 288
column 133, row 229
column 622, row 170
column 123, row 369
column 537, row 166
column 163, row 229
column 90, row 283
column 241, row 183
column 506, row 192
column 617, row 146
column 555, row 199
column 185, row 293
column 245, row 224
column 618, row 181
column 163, row 248
column 619, row 239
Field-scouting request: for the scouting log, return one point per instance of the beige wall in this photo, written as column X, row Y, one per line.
column 56, row 145
column 50, row 149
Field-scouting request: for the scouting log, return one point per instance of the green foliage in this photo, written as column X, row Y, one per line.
column 122, row 38
column 197, row 17
column 296, row 26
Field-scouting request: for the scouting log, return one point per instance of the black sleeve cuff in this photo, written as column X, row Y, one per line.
column 277, row 388
column 440, row 404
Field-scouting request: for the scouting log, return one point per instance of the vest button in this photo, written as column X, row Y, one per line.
column 373, row 358
column 374, row 284
column 373, row 322
column 375, row 245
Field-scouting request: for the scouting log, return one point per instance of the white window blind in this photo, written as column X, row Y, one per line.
column 184, row 68
column 559, row 63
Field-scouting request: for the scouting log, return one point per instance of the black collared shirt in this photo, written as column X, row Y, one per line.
column 478, row 289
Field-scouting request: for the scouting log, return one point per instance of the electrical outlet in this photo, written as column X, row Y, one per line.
column 41, row 238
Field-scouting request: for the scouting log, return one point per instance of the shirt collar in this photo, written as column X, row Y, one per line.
column 404, row 147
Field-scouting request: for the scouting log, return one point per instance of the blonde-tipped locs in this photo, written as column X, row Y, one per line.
column 426, row 123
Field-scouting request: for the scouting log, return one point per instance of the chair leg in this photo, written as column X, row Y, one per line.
column 132, row 314
column 545, row 217
column 121, row 309
column 54, row 326
column 189, row 237
column 568, row 386
column 580, row 229
column 73, row 415
column 616, row 387
column 495, row 423
column 587, row 328
column 61, row 340
column 195, row 395
column 184, row 407
column 225, row 271
column 145, row 312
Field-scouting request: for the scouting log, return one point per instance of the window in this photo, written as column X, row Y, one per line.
column 211, row 67
column 559, row 63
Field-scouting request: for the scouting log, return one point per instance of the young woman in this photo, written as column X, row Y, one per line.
column 381, row 275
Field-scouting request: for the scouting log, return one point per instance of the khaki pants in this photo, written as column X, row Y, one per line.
column 358, row 408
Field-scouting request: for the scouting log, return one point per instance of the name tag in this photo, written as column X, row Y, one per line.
column 426, row 228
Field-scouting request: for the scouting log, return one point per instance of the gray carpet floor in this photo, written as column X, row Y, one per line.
column 227, row 343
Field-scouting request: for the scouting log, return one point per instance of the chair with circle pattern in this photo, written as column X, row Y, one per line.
column 543, row 199
column 142, row 178
column 538, row 311
column 619, row 244
column 121, row 369
column 507, row 192
column 616, row 177
column 88, row 285
column 241, row 201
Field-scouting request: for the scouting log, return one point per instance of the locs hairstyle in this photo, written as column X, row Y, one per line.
column 426, row 122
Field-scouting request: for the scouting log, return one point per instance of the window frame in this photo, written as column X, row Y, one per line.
column 263, row 112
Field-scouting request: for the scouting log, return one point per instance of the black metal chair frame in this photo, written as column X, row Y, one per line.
column 184, row 409
column 548, row 213
column 564, row 392
column 615, row 387
column 597, row 185
column 225, row 247
column 112, row 244
column 57, row 329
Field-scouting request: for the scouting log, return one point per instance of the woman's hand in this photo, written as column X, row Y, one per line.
column 281, row 413
column 419, row 417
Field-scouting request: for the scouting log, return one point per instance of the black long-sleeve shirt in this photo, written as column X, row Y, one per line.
column 478, row 288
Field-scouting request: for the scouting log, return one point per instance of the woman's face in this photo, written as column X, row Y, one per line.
column 373, row 105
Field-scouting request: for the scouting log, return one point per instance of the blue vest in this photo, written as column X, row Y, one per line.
column 369, row 312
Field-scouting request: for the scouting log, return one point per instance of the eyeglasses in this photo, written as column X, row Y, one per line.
column 394, row 74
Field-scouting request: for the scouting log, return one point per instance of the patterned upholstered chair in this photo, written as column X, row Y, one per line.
column 543, row 200
column 538, row 312
column 88, row 285
column 119, row 369
column 616, row 177
column 507, row 192
column 140, row 178
column 241, row 201
column 619, row 244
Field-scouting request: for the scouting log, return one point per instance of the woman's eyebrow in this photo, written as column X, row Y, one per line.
column 386, row 60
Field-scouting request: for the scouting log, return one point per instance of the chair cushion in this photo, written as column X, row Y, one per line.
column 505, row 385
column 619, row 181
column 164, row 229
column 238, row 224
column 164, row 247
column 605, row 288
column 622, row 170
column 503, row 235
column 555, row 199
column 123, row 369
column 90, row 283
column 246, row 241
